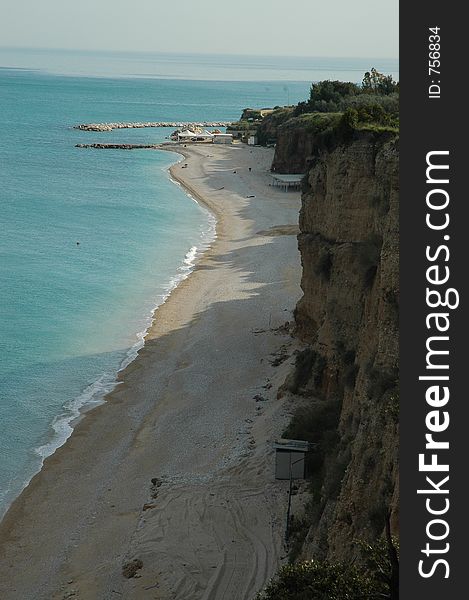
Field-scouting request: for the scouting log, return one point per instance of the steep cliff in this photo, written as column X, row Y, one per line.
column 268, row 127
column 348, row 317
column 296, row 138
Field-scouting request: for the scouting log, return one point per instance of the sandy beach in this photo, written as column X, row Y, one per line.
column 176, row 469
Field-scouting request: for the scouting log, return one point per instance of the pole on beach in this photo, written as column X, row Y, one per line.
column 287, row 528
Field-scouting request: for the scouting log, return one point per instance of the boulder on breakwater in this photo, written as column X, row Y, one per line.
column 101, row 146
column 140, row 125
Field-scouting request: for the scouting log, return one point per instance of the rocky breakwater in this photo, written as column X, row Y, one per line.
column 101, row 146
column 347, row 375
column 141, row 125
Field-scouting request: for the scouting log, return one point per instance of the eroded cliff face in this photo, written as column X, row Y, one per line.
column 348, row 317
column 293, row 150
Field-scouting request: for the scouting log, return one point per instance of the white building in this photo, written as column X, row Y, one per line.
column 201, row 136
column 187, row 135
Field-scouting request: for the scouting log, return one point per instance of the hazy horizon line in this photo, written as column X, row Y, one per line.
column 173, row 53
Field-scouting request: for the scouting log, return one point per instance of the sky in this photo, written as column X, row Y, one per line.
column 355, row 28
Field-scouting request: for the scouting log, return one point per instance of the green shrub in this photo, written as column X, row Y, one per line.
column 318, row 580
column 377, row 579
column 314, row 122
column 302, row 373
column 349, row 121
column 298, row 530
column 314, row 421
column 309, row 367
column 318, row 423
column 240, row 126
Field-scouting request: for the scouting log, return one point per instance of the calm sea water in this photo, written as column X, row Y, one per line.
column 71, row 315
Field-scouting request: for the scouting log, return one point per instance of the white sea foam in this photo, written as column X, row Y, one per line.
column 62, row 424
column 94, row 394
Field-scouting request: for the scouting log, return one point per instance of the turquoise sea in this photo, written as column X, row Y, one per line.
column 72, row 314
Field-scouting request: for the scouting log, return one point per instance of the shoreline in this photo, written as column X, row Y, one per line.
column 146, row 417
column 97, row 398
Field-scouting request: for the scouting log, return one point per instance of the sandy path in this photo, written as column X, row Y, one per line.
column 211, row 527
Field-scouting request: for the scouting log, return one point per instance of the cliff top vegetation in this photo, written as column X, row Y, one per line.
column 372, row 105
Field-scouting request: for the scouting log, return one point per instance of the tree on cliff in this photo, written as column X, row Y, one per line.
column 328, row 96
column 376, row 89
column 375, row 82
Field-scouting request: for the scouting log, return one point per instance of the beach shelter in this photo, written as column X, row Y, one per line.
column 290, row 458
